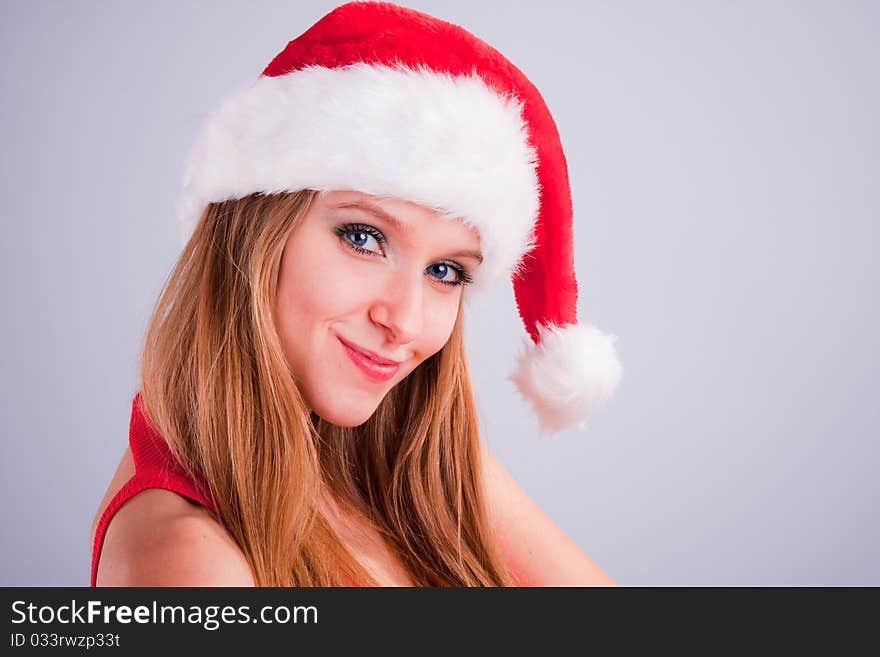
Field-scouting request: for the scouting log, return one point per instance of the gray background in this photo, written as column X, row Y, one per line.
column 724, row 165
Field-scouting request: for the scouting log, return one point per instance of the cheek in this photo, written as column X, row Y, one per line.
column 314, row 288
column 439, row 321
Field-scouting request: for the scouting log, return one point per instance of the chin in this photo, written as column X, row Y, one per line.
column 345, row 411
column 347, row 420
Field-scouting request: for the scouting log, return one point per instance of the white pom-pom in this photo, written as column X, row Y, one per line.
column 569, row 375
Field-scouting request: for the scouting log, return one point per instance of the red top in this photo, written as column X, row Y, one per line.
column 155, row 467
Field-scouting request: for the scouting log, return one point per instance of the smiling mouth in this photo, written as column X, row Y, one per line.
column 376, row 370
column 369, row 354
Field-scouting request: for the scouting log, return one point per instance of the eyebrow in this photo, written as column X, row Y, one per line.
column 399, row 225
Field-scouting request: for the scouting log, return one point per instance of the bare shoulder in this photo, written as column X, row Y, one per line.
column 536, row 550
column 158, row 538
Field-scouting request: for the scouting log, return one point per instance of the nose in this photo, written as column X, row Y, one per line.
column 399, row 308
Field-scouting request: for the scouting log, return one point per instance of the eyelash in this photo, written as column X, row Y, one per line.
column 345, row 229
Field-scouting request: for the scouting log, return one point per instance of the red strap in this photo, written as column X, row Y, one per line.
column 155, row 467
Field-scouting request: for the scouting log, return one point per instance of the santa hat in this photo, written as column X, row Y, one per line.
column 388, row 101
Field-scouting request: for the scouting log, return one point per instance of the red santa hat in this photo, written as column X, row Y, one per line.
column 388, row 101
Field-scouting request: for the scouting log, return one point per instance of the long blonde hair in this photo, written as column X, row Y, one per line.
column 217, row 386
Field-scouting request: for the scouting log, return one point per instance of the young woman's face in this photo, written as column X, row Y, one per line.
column 368, row 289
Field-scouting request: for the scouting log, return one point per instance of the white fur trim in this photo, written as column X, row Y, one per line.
column 449, row 143
column 570, row 374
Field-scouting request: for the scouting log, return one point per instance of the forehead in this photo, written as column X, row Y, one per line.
column 402, row 215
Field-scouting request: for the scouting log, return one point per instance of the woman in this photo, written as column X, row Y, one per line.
column 305, row 414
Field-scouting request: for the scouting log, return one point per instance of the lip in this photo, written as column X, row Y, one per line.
column 377, row 370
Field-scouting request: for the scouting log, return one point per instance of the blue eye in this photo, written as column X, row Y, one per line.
column 442, row 270
column 358, row 236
